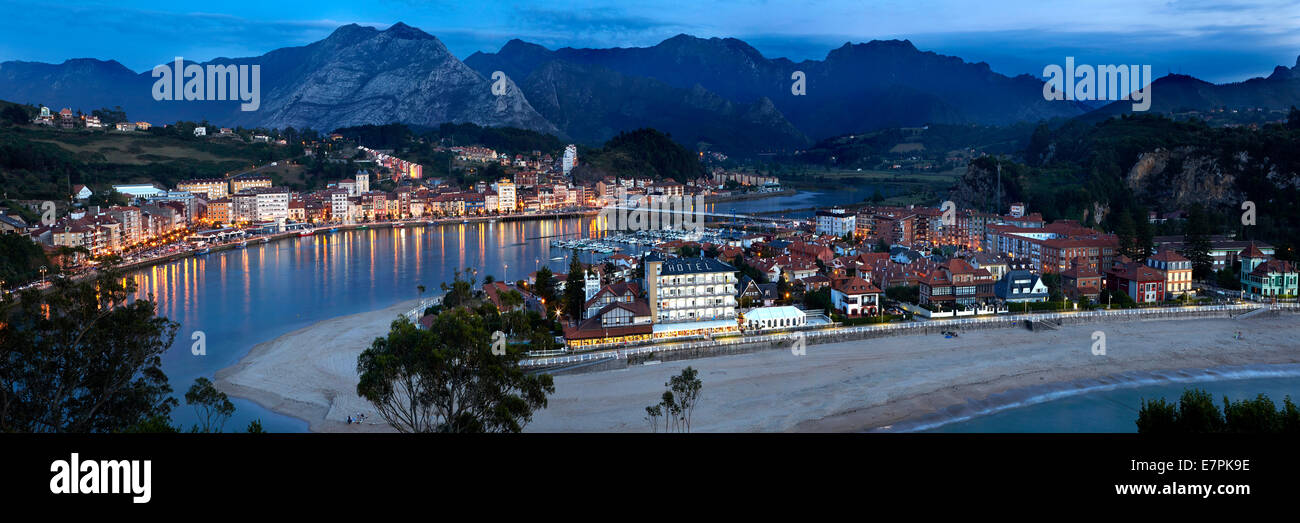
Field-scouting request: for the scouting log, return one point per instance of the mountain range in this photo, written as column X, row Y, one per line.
column 1179, row 93
column 358, row 75
column 714, row 93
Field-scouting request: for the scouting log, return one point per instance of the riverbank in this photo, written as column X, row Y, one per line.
column 849, row 386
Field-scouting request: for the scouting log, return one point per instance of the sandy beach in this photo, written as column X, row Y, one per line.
column 836, row 387
column 311, row 374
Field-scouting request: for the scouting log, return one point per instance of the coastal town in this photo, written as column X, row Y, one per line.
column 248, row 205
column 728, row 275
column 275, row 254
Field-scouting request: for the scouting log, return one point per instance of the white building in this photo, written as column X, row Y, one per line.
column 570, row 158
column 138, row 190
column 363, row 182
column 339, row 205
column 505, row 196
column 782, row 317
column 272, row 203
column 591, row 284
column 81, row 192
column 350, row 186
column 855, row 297
column 690, row 289
column 200, row 131
column 836, row 222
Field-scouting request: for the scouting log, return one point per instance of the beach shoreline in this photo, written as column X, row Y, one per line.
column 884, row 384
column 1047, row 393
column 302, row 373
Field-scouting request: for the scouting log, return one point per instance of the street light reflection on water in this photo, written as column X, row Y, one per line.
column 242, row 297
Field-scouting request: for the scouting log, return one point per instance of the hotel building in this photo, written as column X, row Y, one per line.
column 690, row 289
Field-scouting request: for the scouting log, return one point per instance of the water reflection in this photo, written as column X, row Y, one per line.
column 242, row 297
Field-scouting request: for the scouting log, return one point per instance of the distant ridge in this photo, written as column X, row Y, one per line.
column 708, row 93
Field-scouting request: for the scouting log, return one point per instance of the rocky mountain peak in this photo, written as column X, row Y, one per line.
column 351, row 33
column 405, row 32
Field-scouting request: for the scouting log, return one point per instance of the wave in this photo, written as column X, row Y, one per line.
column 1037, row 394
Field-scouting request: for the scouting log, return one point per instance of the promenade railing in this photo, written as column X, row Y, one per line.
column 1007, row 319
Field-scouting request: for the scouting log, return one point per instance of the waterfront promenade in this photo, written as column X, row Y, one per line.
column 848, row 379
column 786, row 339
column 326, row 229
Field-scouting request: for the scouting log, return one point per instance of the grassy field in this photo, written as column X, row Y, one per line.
column 851, row 175
column 138, row 148
column 283, row 173
column 132, row 150
column 45, row 163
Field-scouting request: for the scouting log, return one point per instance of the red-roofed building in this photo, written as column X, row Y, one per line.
column 1177, row 270
column 618, row 322
column 1053, row 247
column 957, row 282
column 1081, row 282
column 1142, row 283
column 495, row 291
column 811, row 250
column 855, row 296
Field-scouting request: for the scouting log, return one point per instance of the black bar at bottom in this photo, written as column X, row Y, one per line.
column 320, row 471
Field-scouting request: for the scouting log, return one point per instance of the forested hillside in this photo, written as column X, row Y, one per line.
column 1134, row 164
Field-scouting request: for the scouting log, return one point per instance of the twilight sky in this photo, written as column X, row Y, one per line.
column 1216, row 40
